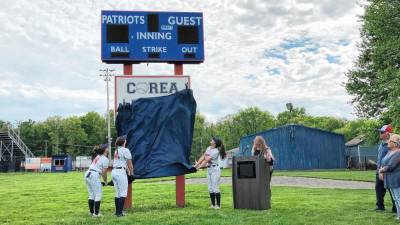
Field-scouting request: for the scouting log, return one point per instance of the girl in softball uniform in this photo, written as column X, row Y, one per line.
column 92, row 178
column 122, row 168
column 210, row 159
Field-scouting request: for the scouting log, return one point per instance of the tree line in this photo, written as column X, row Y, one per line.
column 76, row 135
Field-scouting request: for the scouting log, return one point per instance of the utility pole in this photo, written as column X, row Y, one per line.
column 45, row 148
column 106, row 75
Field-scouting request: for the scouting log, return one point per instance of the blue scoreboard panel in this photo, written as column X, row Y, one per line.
column 130, row 36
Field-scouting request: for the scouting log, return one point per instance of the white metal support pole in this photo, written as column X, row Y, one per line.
column 45, row 148
column 107, row 74
column 1, row 150
column 108, row 120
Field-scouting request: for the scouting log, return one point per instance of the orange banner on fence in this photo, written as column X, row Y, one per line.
column 45, row 160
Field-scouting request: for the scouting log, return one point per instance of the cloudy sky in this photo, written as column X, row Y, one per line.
column 258, row 53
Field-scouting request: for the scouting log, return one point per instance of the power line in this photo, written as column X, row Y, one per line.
column 83, row 146
column 74, row 145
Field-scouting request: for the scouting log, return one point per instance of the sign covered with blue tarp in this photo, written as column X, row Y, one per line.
column 133, row 36
column 160, row 132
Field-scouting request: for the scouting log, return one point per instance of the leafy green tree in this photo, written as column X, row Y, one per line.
column 365, row 128
column 73, row 134
column 94, row 126
column 53, row 127
column 322, row 122
column 201, row 137
column 374, row 81
column 299, row 116
column 392, row 116
column 27, row 129
column 248, row 121
column 2, row 125
column 291, row 117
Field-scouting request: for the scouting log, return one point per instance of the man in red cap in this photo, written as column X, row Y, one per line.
column 384, row 135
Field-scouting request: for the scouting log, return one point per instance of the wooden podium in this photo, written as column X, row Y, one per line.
column 251, row 183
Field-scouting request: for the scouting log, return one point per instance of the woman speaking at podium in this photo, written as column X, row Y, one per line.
column 261, row 148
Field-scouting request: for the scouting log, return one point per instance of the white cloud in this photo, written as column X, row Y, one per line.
column 50, row 53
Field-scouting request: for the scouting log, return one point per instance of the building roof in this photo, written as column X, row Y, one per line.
column 355, row 141
column 292, row 125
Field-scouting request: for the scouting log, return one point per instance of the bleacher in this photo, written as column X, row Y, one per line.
column 12, row 150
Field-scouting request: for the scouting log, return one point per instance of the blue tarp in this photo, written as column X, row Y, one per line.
column 160, row 132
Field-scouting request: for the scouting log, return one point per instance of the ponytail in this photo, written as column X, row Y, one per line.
column 120, row 141
column 95, row 152
column 222, row 151
column 220, row 146
column 98, row 150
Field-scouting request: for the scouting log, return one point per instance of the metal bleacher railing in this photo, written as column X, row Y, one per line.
column 18, row 141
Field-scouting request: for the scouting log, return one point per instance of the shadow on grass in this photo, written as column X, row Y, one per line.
column 155, row 207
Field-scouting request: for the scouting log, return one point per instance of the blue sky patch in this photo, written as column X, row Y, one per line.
column 274, row 53
column 304, row 42
column 333, row 59
column 344, row 42
column 251, row 77
column 312, row 48
column 296, row 43
column 273, row 71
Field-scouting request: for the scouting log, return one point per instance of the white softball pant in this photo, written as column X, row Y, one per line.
column 93, row 185
column 213, row 179
column 120, row 180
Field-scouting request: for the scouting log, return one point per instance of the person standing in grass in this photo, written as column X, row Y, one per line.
column 122, row 168
column 390, row 170
column 98, row 168
column 210, row 159
column 260, row 147
column 380, row 191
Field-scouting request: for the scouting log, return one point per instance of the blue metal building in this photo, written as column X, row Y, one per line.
column 61, row 163
column 297, row 147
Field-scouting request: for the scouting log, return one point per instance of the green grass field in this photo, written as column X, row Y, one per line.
column 35, row 198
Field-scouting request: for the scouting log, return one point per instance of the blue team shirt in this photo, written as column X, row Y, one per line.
column 382, row 151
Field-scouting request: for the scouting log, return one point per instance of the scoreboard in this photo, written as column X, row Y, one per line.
column 133, row 36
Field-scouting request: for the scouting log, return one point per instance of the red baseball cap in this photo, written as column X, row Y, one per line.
column 386, row 128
